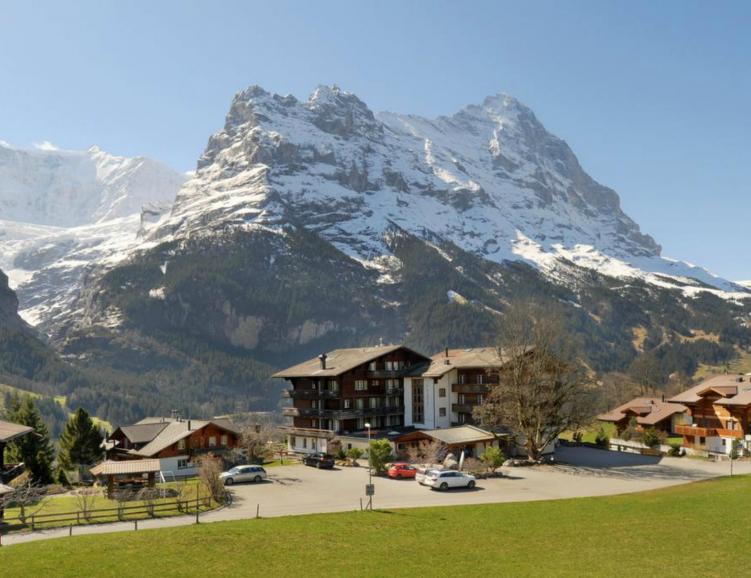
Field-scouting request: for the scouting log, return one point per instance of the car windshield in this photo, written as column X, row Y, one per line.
column 234, row 471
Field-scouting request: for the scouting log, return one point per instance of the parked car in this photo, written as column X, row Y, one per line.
column 240, row 474
column 445, row 479
column 422, row 475
column 401, row 470
column 319, row 460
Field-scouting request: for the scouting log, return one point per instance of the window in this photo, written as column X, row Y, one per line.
column 372, row 366
column 224, row 440
column 731, row 425
column 360, row 403
column 462, row 378
column 360, row 423
column 480, row 378
column 333, row 385
column 442, row 411
column 304, row 443
column 292, row 441
column 184, row 464
column 212, row 441
column 347, row 403
column 389, row 366
column 701, row 441
column 361, row 385
column 181, row 444
column 418, row 403
column 442, row 392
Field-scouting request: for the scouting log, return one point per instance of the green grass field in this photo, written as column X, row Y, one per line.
column 664, row 532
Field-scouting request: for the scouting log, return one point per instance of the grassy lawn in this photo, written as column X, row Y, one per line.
column 591, row 432
column 619, row 535
column 53, row 511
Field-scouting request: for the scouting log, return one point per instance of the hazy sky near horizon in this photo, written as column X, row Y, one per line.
column 653, row 97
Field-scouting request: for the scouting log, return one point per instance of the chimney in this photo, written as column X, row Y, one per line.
column 322, row 359
column 447, row 352
column 188, row 425
column 663, row 397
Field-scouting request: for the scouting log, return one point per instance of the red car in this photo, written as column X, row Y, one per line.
column 400, row 471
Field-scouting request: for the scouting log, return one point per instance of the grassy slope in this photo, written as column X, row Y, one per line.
column 740, row 365
column 619, row 535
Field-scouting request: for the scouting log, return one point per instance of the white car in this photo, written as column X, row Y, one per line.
column 243, row 474
column 422, row 475
column 445, row 479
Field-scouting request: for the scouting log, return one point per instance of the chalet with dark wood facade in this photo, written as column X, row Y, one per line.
column 342, row 390
column 719, row 410
column 175, row 442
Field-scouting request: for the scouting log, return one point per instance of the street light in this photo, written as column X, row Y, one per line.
column 370, row 475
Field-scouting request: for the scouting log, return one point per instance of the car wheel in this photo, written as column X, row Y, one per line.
column 229, row 482
column 444, row 486
column 471, row 484
column 257, row 479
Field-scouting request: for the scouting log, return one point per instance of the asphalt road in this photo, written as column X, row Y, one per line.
column 295, row 490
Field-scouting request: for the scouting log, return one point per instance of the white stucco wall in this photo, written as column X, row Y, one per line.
column 306, row 444
column 432, row 402
column 169, row 468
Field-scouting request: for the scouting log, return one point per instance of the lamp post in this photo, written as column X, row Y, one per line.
column 370, row 473
column 369, row 489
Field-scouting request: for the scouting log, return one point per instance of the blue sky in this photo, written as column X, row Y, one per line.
column 652, row 96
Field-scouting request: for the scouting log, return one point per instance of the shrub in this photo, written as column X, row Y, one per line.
column 341, row 454
column 652, row 438
column 493, row 458
column 577, row 437
column 602, row 440
column 354, row 454
column 631, row 432
column 380, row 455
column 675, row 450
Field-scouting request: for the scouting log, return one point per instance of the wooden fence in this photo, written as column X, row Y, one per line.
column 122, row 513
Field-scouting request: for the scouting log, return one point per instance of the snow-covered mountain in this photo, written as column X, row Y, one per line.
column 489, row 179
column 66, row 213
column 66, row 188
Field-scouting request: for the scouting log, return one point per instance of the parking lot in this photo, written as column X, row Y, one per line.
column 582, row 472
column 296, row 489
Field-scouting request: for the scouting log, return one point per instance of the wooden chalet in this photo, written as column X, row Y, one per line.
column 648, row 412
column 342, row 390
column 718, row 413
column 174, row 442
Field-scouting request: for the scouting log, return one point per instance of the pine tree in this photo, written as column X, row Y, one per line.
column 80, row 443
column 34, row 450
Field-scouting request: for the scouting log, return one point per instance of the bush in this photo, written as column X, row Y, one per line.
column 493, row 458
column 631, row 432
column 652, row 438
column 380, row 455
column 341, row 455
column 354, row 454
column 602, row 440
column 675, row 450
column 577, row 437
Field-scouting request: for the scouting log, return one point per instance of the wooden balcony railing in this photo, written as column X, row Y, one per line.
column 730, row 433
column 470, row 387
column 689, row 430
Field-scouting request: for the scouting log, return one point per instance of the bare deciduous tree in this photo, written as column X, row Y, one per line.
column 425, row 452
column 209, row 474
column 541, row 388
column 25, row 495
column 260, row 442
column 85, row 501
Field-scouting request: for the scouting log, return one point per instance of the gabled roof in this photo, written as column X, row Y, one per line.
column 463, row 434
column 5, row 490
column 340, row 361
column 734, row 389
column 176, row 430
column 648, row 411
column 142, row 433
column 469, row 358
column 10, row 431
column 111, row 467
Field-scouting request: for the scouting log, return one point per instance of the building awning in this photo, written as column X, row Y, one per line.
column 113, row 468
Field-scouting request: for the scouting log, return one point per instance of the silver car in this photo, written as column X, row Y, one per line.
column 240, row 474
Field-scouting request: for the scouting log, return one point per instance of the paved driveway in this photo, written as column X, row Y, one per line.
column 579, row 472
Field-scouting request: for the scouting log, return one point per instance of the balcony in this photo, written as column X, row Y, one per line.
column 463, row 407
column 470, row 387
column 351, row 413
column 730, row 433
column 310, row 393
column 689, row 430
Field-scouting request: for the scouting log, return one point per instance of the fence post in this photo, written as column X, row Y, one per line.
column 70, row 530
column 258, row 511
column 32, row 522
column 136, row 523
